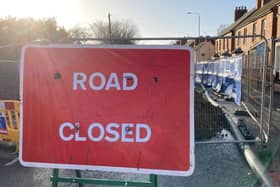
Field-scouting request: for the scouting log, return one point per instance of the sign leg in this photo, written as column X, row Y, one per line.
column 153, row 180
column 78, row 175
column 54, row 177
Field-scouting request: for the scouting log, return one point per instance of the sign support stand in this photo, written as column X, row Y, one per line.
column 55, row 179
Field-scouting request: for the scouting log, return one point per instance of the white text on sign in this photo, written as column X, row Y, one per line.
column 97, row 81
column 96, row 132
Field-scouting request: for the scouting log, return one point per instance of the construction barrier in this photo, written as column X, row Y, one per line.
column 9, row 121
column 223, row 76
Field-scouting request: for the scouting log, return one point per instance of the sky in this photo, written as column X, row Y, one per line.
column 153, row 18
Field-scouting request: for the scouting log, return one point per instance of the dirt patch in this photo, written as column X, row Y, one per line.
column 209, row 120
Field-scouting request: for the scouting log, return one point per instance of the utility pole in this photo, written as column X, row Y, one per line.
column 109, row 25
column 197, row 56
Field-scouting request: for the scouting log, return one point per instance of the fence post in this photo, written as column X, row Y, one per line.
column 54, row 177
column 153, row 180
column 78, row 175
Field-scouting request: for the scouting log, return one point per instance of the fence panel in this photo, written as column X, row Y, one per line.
column 245, row 78
column 258, row 97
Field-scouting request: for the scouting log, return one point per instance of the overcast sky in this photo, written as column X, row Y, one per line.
column 152, row 17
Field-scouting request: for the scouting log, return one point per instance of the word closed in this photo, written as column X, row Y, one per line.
column 110, row 133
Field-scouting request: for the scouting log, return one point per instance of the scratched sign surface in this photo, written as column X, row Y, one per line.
column 113, row 108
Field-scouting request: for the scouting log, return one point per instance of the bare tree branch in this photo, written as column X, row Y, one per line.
column 119, row 29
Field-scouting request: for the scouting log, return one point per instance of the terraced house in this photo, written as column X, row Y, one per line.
column 263, row 20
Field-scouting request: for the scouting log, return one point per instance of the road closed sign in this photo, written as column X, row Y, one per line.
column 110, row 108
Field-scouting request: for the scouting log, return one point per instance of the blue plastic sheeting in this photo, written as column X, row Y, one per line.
column 211, row 76
column 219, row 79
column 3, row 127
column 237, row 79
column 223, row 76
column 199, row 73
column 228, row 71
column 205, row 73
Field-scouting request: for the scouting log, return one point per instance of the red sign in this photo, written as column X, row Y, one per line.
column 113, row 108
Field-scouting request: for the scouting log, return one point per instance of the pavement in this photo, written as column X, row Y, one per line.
column 274, row 145
column 216, row 165
column 269, row 154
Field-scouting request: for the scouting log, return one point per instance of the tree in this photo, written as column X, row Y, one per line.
column 24, row 30
column 15, row 32
column 78, row 32
column 119, row 29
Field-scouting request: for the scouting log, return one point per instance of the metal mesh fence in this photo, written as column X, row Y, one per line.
column 209, row 119
column 256, row 92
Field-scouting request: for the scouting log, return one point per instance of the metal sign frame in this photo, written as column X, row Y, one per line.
column 114, row 168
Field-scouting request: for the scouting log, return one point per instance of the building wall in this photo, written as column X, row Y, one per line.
column 247, row 43
column 223, row 45
column 278, row 22
column 205, row 52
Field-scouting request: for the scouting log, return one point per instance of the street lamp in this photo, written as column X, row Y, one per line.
column 196, row 13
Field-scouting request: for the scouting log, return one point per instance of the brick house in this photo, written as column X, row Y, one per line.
column 204, row 51
column 228, row 45
column 264, row 20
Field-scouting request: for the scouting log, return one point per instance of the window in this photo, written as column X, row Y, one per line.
column 238, row 39
column 254, row 32
column 216, row 45
column 263, row 27
column 245, row 33
column 227, row 44
column 224, row 42
column 277, row 60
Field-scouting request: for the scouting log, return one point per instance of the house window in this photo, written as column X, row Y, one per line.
column 216, row 45
column 254, row 32
column 277, row 62
column 263, row 27
column 224, row 42
column 238, row 39
column 227, row 44
column 245, row 33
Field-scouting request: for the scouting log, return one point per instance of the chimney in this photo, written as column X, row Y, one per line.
column 239, row 12
column 259, row 4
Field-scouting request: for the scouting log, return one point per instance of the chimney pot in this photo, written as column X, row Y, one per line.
column 239, row 12
column 259, row 4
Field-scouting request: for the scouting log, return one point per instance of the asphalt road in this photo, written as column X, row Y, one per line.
column 216, row 165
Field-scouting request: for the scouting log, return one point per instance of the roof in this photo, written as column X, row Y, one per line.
column 202, row 44
column 236, row 23
column 259, row 13
column 251, row 16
